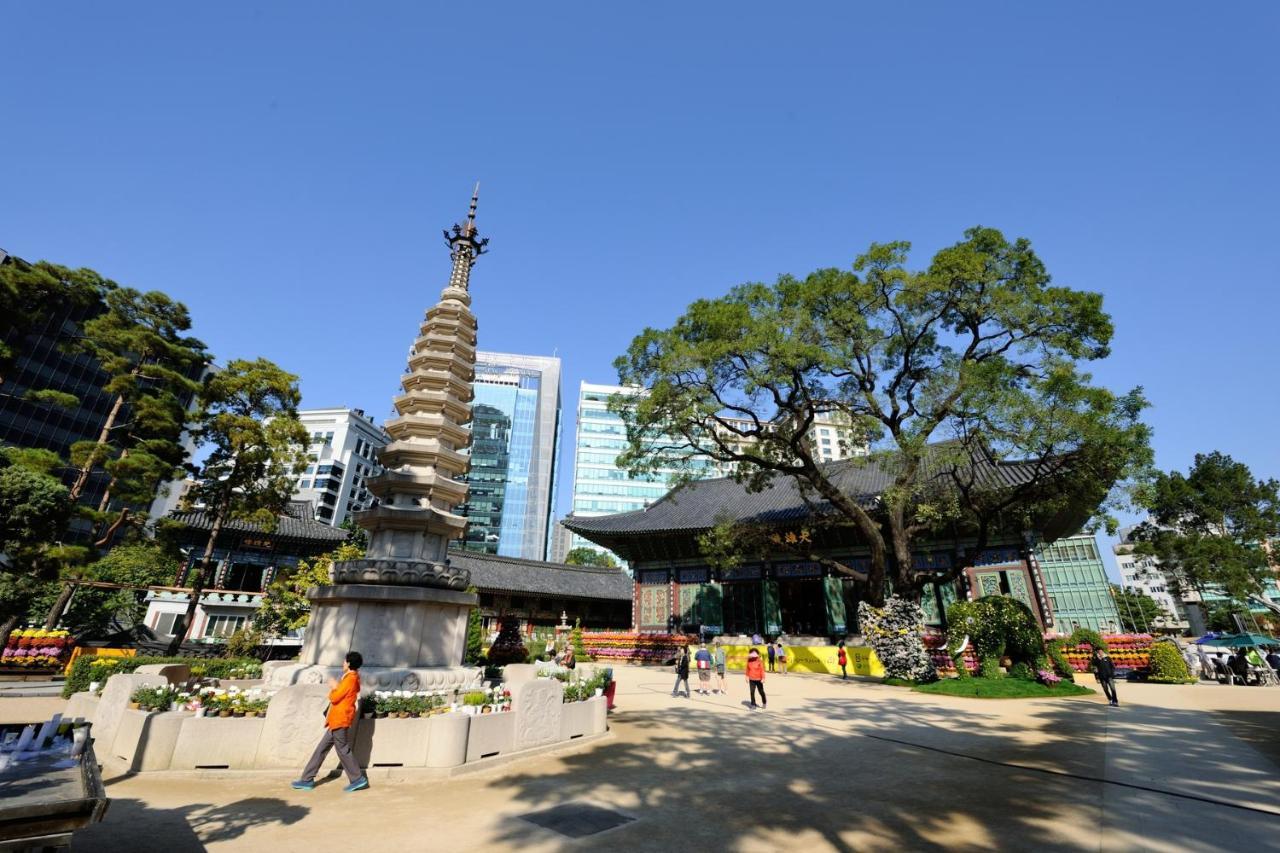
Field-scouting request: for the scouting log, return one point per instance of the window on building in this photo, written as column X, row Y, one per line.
column 304, row 484
column 223, row 625
column 164, row 625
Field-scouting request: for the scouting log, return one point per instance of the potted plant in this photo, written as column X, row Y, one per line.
column 472, row 702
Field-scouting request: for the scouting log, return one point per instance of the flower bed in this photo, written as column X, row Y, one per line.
column 937, row 647
column 36, row 649
column 87, row 669
column 1127, row 651
column 634, row 646
column 427, row 703
column 204, row 700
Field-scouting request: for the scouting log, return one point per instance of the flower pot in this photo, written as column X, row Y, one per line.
column 251, row 713
column 224, row 713
column 486, row 709
column 367, row 716
column 380, row 715
column 133, row 706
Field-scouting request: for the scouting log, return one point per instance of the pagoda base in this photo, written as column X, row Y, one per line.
column 277, row 674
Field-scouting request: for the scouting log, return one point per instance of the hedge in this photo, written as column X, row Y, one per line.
column 88, row 669
column 1168, row 666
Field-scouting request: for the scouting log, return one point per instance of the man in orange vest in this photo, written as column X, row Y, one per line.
column 344, row 695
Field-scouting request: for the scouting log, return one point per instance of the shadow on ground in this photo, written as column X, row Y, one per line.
column 884, row 773
column 132, row 827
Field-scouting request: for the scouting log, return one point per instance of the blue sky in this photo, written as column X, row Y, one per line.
column 286, row 171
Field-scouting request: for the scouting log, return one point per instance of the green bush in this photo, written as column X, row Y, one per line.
column 1167, row 665
column 1086, row 636
column 1061, row 666
column 997, row 626
column 1023, row 671
column 89, row 669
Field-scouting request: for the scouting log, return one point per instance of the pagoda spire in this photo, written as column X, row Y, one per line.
column 465, row 248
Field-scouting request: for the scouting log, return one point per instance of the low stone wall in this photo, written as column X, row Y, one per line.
column 285, row 737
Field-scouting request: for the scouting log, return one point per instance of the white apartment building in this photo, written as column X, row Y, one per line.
column 344, row 449
column 1143, row 574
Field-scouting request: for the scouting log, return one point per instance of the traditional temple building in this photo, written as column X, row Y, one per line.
column 779, row 592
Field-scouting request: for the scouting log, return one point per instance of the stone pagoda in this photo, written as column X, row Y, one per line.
column 402, row 606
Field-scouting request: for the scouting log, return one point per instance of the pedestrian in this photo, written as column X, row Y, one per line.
column 756, row 641
column 568, row 662
column 782, row 657
column 682, row 672
column 703, row 661
column 773, row 654
column 842, row 658
column 1105, row 671
column 755, row 678
column 720, row 666
column 344, row 695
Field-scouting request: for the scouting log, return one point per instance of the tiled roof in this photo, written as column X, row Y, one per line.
column 293, row 524
column 490, row 573
column 703, row 504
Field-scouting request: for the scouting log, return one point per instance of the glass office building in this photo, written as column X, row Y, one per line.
column 1076, row 582
column 515, row 442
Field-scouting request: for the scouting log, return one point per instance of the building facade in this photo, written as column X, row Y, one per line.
column 1143, row 574
column 792, row 588
column 1076, row 582
column 344, row 450
column 515, row 446
column 600, row 487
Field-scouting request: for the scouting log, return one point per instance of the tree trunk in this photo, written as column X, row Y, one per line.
column 59, row 606
column 110, row 532
column 180, row 632
column 6, row 628
column 83, row 477
column 906, row 584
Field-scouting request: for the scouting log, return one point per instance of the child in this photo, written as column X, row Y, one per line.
column 782, row 658
column 842, row 658
column 755, row 678
column 344, row 695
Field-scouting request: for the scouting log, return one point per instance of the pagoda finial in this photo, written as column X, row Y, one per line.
column 465, row 245
column 471, row 212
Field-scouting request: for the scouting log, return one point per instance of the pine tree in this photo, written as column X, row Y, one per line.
column 509, row 645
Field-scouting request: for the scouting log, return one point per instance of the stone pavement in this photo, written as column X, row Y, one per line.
column 831, row 766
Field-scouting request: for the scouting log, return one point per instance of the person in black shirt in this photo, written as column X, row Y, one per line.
column 682, row 672
column 1104, row 669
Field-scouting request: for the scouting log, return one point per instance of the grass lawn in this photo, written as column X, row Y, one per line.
column 993, row 688
column 999, row 688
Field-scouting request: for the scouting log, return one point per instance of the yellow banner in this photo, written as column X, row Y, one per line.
column 820, row 659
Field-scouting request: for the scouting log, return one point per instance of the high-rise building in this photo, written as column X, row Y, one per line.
column 601, row 488
column 515, row 445
column 344, row 446
column 45, row 362
column 1143, row 574
column 1076, row 582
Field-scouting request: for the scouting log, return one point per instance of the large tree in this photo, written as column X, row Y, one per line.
column 98, row 611
column 1209, row 527
column 583, row 556
column 978, row 348
column 256, row 448
column 34, row 511
column 285, row 605
column 32, row 292
column 140, row 344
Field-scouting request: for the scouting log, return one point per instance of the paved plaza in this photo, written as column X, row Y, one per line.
column 830, row 766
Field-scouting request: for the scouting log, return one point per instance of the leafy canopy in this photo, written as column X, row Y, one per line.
column 979, row 349
column 583, row 556
column 285, row 606
column 1208, row 526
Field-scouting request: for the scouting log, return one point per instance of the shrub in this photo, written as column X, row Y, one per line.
column 1167, row 665
column 990, row 668
column 244, row 643
column 89, row 669
column 998, row 626
column 1086, row 636
column 1061, row 666
column 575, row 636
column 475, row 637
column 1021, row 670
column 896, row 632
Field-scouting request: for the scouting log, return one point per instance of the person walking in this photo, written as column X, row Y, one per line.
column 773, row 654
column 1105, row 671
column 720, row 660
column 703, row 661
column 842, row 658
column 682, row 672
column 782, row 657
column 344, row 695
column 755, row 678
